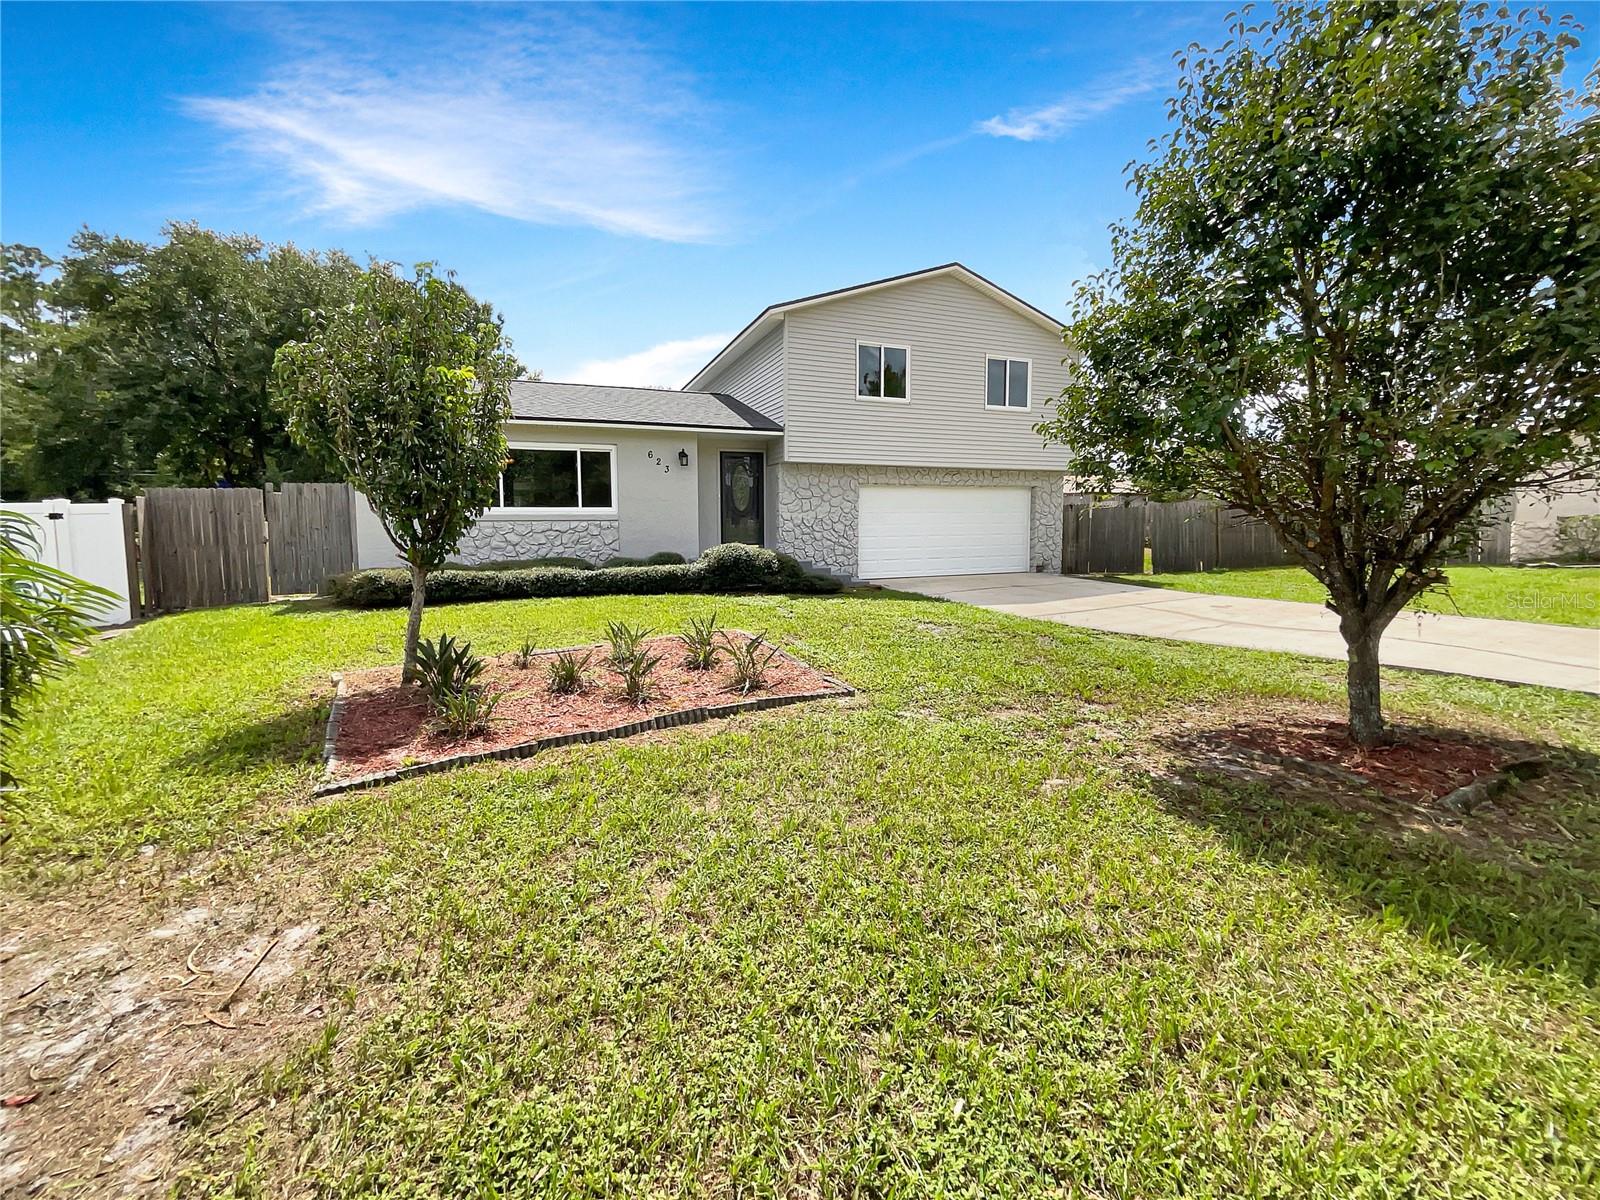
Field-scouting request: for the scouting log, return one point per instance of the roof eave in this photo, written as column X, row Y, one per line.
column 664, row 426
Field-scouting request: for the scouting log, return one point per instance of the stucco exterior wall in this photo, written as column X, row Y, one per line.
column 819, row 505
column 373, row 547
column 657, row 502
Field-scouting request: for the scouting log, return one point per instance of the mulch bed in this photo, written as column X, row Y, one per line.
column 380, row 726
column 1416, row 766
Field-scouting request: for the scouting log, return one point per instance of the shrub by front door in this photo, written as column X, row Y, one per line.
column 742, row 488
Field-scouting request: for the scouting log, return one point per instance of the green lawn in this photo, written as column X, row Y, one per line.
column 946, row 939
column 1557, row 596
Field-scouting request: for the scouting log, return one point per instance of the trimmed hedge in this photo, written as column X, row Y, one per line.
column 661, row 558
column 732, row 567
column 522, row 564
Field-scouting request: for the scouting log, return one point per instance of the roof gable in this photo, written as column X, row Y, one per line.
column 775, row 313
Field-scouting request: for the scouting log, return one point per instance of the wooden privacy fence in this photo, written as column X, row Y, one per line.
column 1103, row 537
column 203, row 547
column 311, row 534
column 1108, row 536
column 1490, row 542
column 1199, row 535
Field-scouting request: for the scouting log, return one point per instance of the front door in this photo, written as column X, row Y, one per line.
column 742, row 488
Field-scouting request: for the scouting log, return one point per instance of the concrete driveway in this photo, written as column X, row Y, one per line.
column 1558, row 656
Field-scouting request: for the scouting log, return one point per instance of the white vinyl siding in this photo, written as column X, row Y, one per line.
column 755, row 377
column 911, row 531
column 951, row 331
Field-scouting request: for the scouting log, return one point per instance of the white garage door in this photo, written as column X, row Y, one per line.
column 942, row 531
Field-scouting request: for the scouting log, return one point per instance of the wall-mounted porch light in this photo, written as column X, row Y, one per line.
column 683, row 458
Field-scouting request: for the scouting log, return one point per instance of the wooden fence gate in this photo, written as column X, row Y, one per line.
column 203, row 547
column 311, row 534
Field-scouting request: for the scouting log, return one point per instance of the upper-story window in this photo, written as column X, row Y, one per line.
column 559, row 478
column 882, row 372
column 1007, row 383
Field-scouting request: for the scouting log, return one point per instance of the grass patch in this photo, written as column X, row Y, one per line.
column 1553, row 595
column 944, row 939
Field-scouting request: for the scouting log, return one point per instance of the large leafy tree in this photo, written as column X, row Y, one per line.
column 45, row 449
column 195, row 330
column 406, row 388
column 130, row 363
column 1360, row 298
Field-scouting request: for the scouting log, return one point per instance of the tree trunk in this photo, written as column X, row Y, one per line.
column 419, row 584
column 1362, row 685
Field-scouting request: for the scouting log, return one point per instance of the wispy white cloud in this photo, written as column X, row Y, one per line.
column 667, row 364
column 1094, row 99
column 531, row 115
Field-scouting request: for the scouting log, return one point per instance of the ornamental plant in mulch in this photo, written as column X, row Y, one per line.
column 448, row 673
column 703, row 642
column 382, row 725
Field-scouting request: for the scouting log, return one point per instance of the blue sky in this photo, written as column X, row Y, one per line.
column 628, row 185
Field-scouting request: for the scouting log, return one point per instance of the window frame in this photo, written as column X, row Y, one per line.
column 1008, row 359
column 882, row 346
column 502, row 508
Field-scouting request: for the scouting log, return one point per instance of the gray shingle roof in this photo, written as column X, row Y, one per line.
column 590, row 403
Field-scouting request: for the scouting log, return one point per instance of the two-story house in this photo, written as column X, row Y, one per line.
column 876, row 431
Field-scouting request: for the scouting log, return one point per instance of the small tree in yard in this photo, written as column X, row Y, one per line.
column 406, row 388
column 1360, row 298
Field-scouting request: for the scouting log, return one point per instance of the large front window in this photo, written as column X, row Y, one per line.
column 882, row 372
column 563, row 477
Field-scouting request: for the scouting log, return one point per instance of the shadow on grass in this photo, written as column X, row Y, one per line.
column 306, row 606
column 290, row 738
column 885, row 593
column 1516, row 880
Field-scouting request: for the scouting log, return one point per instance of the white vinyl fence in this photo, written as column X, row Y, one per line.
column 90, row 541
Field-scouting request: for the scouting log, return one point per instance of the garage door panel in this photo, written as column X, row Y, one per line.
column 942, row 530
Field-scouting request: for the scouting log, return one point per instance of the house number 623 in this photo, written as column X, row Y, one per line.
column 660, row 462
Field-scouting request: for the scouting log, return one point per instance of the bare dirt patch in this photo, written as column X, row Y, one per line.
column 118, row 999
column 383, row 724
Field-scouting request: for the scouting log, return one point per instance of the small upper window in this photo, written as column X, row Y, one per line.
column 1007, row 383
column 557, row 477
column 882, row 372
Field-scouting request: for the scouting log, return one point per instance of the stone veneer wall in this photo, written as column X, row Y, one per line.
column 818, row 505
column 496, row 538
